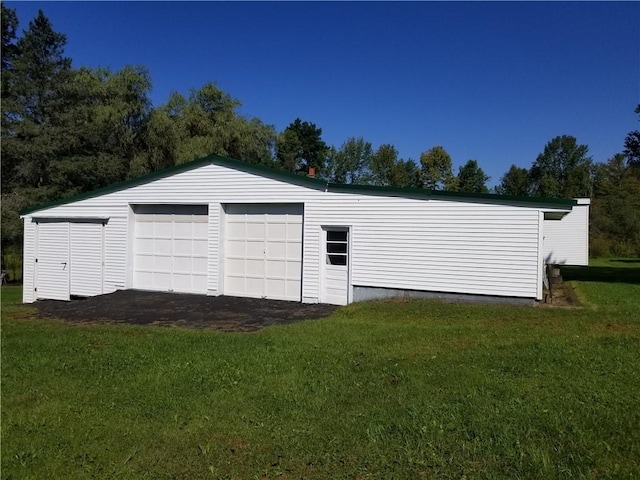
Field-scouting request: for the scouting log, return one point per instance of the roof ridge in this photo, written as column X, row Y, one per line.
column 292, row 177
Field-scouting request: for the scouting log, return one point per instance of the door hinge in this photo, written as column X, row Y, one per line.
column 36, row 260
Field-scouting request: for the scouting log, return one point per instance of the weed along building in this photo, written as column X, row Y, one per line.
column 217, row 226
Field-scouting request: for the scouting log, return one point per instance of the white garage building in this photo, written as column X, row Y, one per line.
column 217, row 226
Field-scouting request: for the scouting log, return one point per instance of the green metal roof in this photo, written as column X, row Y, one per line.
column 302, row 180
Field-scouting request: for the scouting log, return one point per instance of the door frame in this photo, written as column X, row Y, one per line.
column 323, row 263
column 68, row 221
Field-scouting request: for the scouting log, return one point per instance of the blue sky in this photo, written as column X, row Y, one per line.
column 488, row 81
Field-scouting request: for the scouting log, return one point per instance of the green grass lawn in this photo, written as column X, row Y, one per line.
column 379, row 390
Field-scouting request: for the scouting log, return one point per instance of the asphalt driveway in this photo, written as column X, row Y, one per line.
column 182, row 310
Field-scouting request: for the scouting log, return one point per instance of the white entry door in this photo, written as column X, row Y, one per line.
column 170, row 245
column 263, row 251
column 335, row 266
column 87, row 258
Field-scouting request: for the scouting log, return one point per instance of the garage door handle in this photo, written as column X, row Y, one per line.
column 65, row 265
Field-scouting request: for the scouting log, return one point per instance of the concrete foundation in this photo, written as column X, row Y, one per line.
column 361, row 294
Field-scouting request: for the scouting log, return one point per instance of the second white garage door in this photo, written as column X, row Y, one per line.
column 171, row 248
column 263, row 251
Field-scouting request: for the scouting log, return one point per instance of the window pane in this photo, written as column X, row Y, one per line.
column 337, row 235
column 336, row 247
column 336, row 259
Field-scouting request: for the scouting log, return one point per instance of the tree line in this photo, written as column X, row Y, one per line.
column 68, row 130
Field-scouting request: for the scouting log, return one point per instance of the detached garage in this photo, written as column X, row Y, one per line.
column 218, row 226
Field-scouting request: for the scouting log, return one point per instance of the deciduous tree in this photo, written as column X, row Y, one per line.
column 436, row 169
column 632, row 145
column 350, row 163
column 563, row 169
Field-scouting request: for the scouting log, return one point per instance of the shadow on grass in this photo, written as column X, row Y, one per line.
column 603, row 274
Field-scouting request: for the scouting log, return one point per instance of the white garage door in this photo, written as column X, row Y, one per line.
column 52, row 261
column 263, row 251
column 171, row 248
column 70, row 259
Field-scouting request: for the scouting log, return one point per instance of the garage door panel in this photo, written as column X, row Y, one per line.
column 254, row 267
column 276, row 288
column 181, row 282
column 276, row 269
column 293, row 269
column 171, row 248
column 254, row 286
column 294, row 251
column 161, row 264
column 200, row 229
column 163, row 229
column 294, row 287
column 162, row 280
column 269, row 239
column 182, row 246
column 277, row 231
column 182, row 264
column 200, row 267
column 144, row 246
column 255, row 231
column 294, row 233
column 200, row 248
column 236, row 230
column 144, row 229
column 145, row 262
column 254, row 249
column 276, row 250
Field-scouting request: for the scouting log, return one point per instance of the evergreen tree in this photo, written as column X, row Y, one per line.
column 300, row 146
column 514, row 182
column 472, row 179
column 34, row 80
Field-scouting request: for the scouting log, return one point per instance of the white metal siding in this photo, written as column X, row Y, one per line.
column 214, row 253
column 436, row 245
column 86, row 261
column 422, row 244
column 52, row 262
column 566, row 241
column 28, row 260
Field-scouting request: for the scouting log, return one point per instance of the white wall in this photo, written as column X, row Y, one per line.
column 422, row 244
column 566, row 241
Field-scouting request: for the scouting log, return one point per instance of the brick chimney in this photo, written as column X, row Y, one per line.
column 312, row 172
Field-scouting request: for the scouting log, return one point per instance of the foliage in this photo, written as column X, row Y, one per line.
column 615, row 210
column 349, row 164
column 388, row 389
column 9, row 36
column 387, row 169
column 301, row 147
column 562, row 170
column 471, row 178
column 68, row 130
column 514, row 182
column 632, row 145
column 205, row 123
column 33, row 97
column 436, row 169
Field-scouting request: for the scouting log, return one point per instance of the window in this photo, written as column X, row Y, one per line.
column 337, row 247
